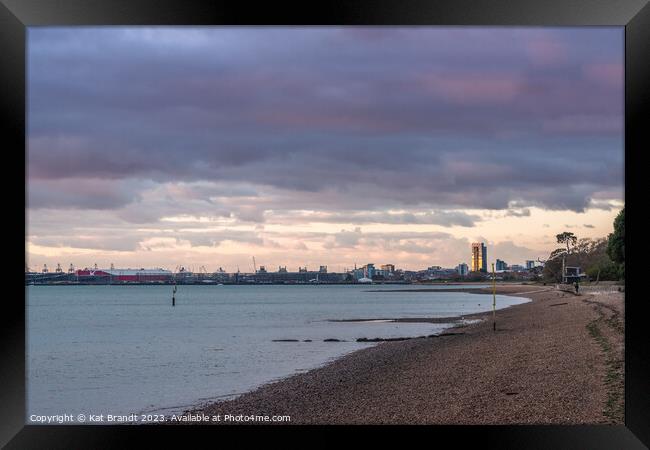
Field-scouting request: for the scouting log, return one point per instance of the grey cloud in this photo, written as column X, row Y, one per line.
column 300, row 246
column 250, row 214
column 316, row 110
column 80, row 193
column 97, row 242
column 214, row 238
column 411, row 241
column 525, row 212
column 344, row 238
column 444, row 218
column 512, row 253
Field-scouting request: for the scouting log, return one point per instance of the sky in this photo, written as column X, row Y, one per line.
column 309, row 146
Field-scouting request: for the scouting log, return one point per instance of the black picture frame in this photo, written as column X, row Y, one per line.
column 634, row 15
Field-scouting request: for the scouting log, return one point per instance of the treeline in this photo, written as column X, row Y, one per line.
column 601, row 259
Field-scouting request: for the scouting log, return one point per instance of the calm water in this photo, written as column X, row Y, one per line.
column 125, row 349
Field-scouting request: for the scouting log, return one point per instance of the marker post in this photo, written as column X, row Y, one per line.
column 494, row 300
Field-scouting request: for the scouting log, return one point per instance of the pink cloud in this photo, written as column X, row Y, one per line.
column 472, row 89
column 547, row 51
column 607, row 124
column 610, row 74
column 328, row 120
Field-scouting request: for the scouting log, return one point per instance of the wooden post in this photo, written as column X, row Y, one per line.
column 174, row 296
column 494, row 300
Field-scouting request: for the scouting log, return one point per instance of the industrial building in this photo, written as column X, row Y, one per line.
column 124, row 275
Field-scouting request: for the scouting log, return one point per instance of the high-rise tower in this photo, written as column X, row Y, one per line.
column 479, row 257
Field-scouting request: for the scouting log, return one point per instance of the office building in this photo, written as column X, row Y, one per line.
column 479, row 257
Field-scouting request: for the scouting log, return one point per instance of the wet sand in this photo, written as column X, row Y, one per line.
column 555, row 360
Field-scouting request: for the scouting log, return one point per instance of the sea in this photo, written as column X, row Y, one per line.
column 124, row 350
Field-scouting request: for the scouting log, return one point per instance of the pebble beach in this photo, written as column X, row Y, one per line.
column 555, row 360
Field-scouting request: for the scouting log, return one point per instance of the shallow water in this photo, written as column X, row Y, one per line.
column 125, row 349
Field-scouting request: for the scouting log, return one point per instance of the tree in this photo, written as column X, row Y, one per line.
column 604, row 270
column 616, row 240
column 553, row 266
column 616, row 244
column 567, row 238
column 601, row 259
column 570, row 240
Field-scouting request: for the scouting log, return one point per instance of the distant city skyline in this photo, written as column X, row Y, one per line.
column 478, row 263
column 206, row 146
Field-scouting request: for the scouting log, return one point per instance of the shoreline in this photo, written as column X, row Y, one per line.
column 552, row 360
column 216, row 283
column 456, row 320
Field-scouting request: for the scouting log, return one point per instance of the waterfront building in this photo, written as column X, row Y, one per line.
column 501, row 265
column 479, row 257
column 388, row 268
column 358, row 273
column 123, row 275
column 323, row 269
column 462, row 269
column 369, row 270
column 530, row 264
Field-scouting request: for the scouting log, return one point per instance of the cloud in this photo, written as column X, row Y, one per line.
column 311, row 110
column 94, row 242
column 609, row 74
column 524, row 212
column 300, row 246
column 80, row 193
column 475, row 88
column 580, row 124
column 547, row 51
column 344, row 238
column 184, row 140
column 250, row 214
column 443, row 218
column 511, row 252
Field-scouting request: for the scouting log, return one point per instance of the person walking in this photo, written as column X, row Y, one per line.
column 577, row 286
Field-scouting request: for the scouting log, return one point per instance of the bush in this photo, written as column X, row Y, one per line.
column 605, row 271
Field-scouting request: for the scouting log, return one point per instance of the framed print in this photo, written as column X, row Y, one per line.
column 366, row 214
